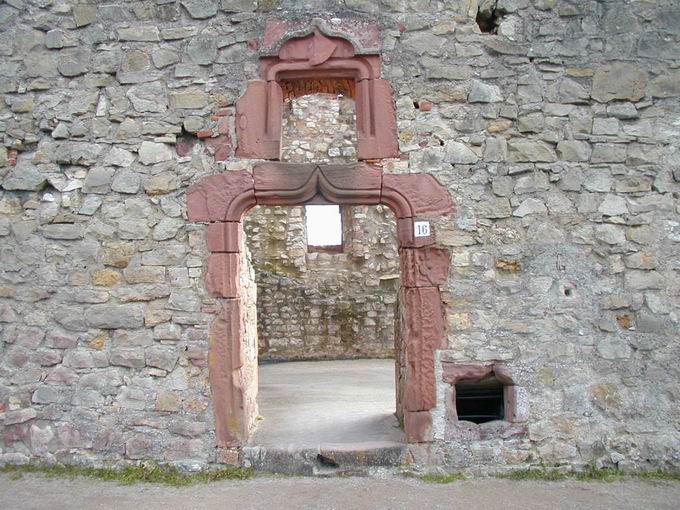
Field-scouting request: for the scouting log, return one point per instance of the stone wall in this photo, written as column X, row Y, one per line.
column 323, row 304
column 556, row 135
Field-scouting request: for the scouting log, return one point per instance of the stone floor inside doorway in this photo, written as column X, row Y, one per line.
column 312, row 403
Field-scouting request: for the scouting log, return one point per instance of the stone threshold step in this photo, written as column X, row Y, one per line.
column 325, row 459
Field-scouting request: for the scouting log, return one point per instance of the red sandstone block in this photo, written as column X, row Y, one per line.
column 224, row 237
column 219, row 147
column 184, row 146
column 453, row 372
column 424, row 267
column 353, row 177
column 222, row 197
column 423, row 192
column 406, row 235
column 282, row 176
column 226, row 336
column 222, row 278
column 425, row 106
column 418, row 427
column 223, row 125
column 423, row 334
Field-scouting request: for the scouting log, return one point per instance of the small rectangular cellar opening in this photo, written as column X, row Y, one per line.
column 480, row 401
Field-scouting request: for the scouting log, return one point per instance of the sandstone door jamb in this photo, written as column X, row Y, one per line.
column 223, row 199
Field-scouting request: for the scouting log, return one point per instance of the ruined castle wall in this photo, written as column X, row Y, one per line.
column 556, row 136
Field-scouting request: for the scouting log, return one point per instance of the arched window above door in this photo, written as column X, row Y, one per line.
column 313, row 54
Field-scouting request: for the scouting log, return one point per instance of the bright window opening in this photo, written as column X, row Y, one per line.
column 324, row 226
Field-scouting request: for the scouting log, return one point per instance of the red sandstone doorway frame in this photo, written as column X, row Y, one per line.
column 222, row 200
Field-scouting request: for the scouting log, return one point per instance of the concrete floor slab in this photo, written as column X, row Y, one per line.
column 312, row 403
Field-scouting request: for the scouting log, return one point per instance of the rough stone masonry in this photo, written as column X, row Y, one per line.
column 554, row 124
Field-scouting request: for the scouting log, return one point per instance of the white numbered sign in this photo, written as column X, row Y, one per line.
column 422, row 228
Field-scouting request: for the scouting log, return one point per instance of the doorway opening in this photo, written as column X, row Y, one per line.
column 327, row 280
column 325, row 321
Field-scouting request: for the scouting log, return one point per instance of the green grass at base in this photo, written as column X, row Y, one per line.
column 165, row 475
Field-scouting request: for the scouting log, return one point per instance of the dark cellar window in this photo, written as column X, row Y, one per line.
column 480, row 401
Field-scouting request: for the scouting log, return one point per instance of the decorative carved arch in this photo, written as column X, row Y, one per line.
column 223, row 199
column 311, row 53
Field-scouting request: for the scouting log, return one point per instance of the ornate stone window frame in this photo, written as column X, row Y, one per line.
column 313, row 54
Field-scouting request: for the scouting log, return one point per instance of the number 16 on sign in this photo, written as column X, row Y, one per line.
column 421, row 228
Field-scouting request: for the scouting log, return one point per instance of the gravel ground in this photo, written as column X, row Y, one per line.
column 37, row 492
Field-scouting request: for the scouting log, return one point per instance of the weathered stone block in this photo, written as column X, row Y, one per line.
column 126, row 181
column 189, row 98
column 484, row 93
column 641, row 280
column 530, row 206
column 73, row 62
column 161, row 357
column 531, row 151
column 667, row 85
column 165, row 254
column 493, row 207
column 115, row 316
column 460, row 154
column 161, row 184
column 131, row 358
column 574, row 150
column 151, row 153
column 238, row 5
column 200, row 9
column 613, row 205
column 19, row 416
column 98, row 180
column 167, row 331
column 24, row 177
column 146, row 33
column 144, row 274
column 63, row 231
column 148, row 97
column 608, row 153
column 619, row 81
